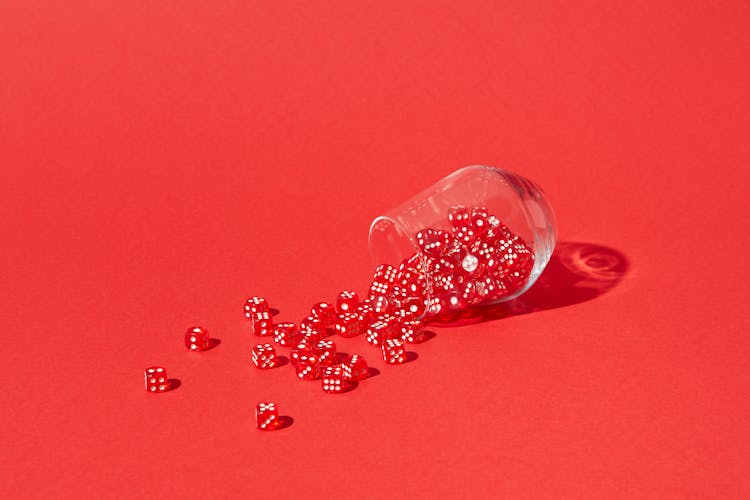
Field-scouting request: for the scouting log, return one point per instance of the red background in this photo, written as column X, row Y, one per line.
column 161, row 161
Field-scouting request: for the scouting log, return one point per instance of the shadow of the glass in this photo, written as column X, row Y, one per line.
column 577, row 272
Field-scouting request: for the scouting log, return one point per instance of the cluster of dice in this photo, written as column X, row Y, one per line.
column 478, row 261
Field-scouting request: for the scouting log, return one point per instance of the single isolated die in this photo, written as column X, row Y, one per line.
column 285, row 333
column 325, row 350
column 255, row 305
column 156, row 380
column 355, row 367
column 347, row 302
column 307, row 367
column 262, row 324
column 333, row 380
column 324, row 312
column 266, row 416
column 264, row 356
column 394, row 352
column 349, row 324
column 196, row 339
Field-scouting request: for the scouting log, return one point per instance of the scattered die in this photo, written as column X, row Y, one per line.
column 255, row 305
column 307, row 367
column 333, row 380
column 156, row 379
column 348, row 324
column 355, row 368
column 394, row 352
column 262, row 324
column 325, row 350
column 264, row 356
column 347, row 302
column 412, row 331
column 285, row 333
column 313, row 328
column 324, row 312
column 266, row 416
column 196, row 339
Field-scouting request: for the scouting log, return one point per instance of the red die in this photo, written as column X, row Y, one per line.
column 196, row 339
column 414, row 306
column 333, row 379
column 313, row 328
column 264, row 356
column 262, row 324
column 412, row 331
column 381, row 304
column 382, row 281
column 365, row 312
column 434, row 242
column 156, row 379
column 394, row 352
column 349, row 324
column 304, row 347
column 285, row 333
column 307, row 367
column 379, row 331
column 355, row 368
column 324, row 312
column 325, row 350
column 459, row 215
column 266, row 416
column 255, row 305
column 347, row 302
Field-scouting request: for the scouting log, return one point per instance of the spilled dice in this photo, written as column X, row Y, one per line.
column 156, row 379
column 324, row 312
column 196, row 339
column 264, row 356
column 349, row 324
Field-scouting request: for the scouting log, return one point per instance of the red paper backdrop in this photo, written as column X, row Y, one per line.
column 160, row 161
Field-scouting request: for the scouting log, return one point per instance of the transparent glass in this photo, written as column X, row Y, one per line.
column 519, row 204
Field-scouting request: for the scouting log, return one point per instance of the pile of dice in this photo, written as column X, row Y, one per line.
column 478, row 261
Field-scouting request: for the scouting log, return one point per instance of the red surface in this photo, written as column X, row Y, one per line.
column 161, row 161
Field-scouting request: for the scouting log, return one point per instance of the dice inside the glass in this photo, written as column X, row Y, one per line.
column 156, row 379
column 264, row 356
column 196, row 339
column 266, row 416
